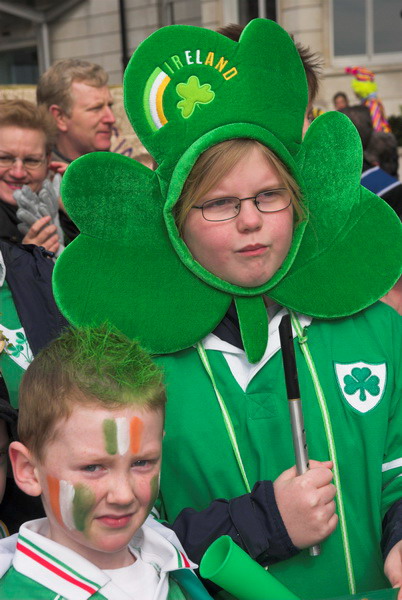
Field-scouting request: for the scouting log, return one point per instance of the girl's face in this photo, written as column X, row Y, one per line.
column 249, row 249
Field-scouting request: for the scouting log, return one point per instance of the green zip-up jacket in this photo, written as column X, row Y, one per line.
column 358, row 361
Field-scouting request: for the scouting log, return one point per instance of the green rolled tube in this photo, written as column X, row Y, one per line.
column 227, row 565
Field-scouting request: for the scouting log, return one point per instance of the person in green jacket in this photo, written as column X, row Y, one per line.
column 244, row 221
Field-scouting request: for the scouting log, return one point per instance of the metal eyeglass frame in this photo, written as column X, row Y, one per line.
column 254, row 198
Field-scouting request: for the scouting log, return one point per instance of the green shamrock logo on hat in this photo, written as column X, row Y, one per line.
column 193, row 93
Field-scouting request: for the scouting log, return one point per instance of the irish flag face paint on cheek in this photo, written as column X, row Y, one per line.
column 70, row 504
column 121, row 434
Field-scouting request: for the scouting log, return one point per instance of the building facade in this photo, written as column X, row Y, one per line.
column 34, row 33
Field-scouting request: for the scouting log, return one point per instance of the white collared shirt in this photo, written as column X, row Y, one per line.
column 242, row 370
column 72, row 576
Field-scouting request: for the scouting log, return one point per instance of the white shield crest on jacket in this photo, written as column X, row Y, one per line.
column 17, row 346
column 362, row 384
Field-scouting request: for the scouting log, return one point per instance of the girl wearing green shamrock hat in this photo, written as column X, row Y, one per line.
column 242, row 222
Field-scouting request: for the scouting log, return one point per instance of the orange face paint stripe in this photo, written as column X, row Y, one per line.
column 54, row 494
column 136, row 429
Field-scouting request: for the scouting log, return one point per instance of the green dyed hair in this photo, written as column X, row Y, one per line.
column 89, row 365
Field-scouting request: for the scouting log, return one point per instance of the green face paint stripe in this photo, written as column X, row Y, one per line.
column 84, row 500
column 154, row 491
column 110, row 435
column 155, row 485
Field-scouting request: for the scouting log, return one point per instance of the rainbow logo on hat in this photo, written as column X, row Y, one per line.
column 153, row 99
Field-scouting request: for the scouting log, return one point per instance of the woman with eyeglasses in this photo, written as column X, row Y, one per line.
column 26, row 136
column 244, row 222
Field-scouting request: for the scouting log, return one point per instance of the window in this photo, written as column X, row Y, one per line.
column 243, row 11
column 251, row 9
column 367, row 30
column 19, row 66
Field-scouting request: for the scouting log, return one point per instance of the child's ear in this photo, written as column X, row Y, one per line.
column 24, row 469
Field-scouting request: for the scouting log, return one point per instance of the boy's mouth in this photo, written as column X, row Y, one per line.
column 115, row 521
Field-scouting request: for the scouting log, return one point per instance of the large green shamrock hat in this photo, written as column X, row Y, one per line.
column 187, row 89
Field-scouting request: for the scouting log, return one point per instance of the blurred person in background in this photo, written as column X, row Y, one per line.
column 365, row 89
column 76, row 94
column 26, row 137
column 340, row 100
column 382, row 150
column 376, row 179
column 374, row 176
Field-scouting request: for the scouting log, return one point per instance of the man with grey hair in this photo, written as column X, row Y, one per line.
column 77, row 95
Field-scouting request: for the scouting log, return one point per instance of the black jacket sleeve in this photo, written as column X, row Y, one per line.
column 253, row 521
column 29, row 276
column 391, row 528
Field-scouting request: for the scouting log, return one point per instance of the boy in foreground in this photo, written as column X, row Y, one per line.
column 91, row 427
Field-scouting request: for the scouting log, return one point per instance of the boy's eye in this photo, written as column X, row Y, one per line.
column 92, row 468
column 145, row 463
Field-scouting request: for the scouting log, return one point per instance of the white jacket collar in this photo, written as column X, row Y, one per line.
column 73, row 577
column 242, row 370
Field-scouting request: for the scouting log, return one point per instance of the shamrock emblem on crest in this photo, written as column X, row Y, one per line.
column 193, row 93
column 363, row 380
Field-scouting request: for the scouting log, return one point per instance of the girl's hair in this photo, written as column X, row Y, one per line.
column 216, row 162
column 26, row 115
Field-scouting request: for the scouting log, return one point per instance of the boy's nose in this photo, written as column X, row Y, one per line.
column 120, row 491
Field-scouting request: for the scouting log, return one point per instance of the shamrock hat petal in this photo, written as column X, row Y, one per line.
column 350, row 255
column 122, row 268
column 183, row 82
